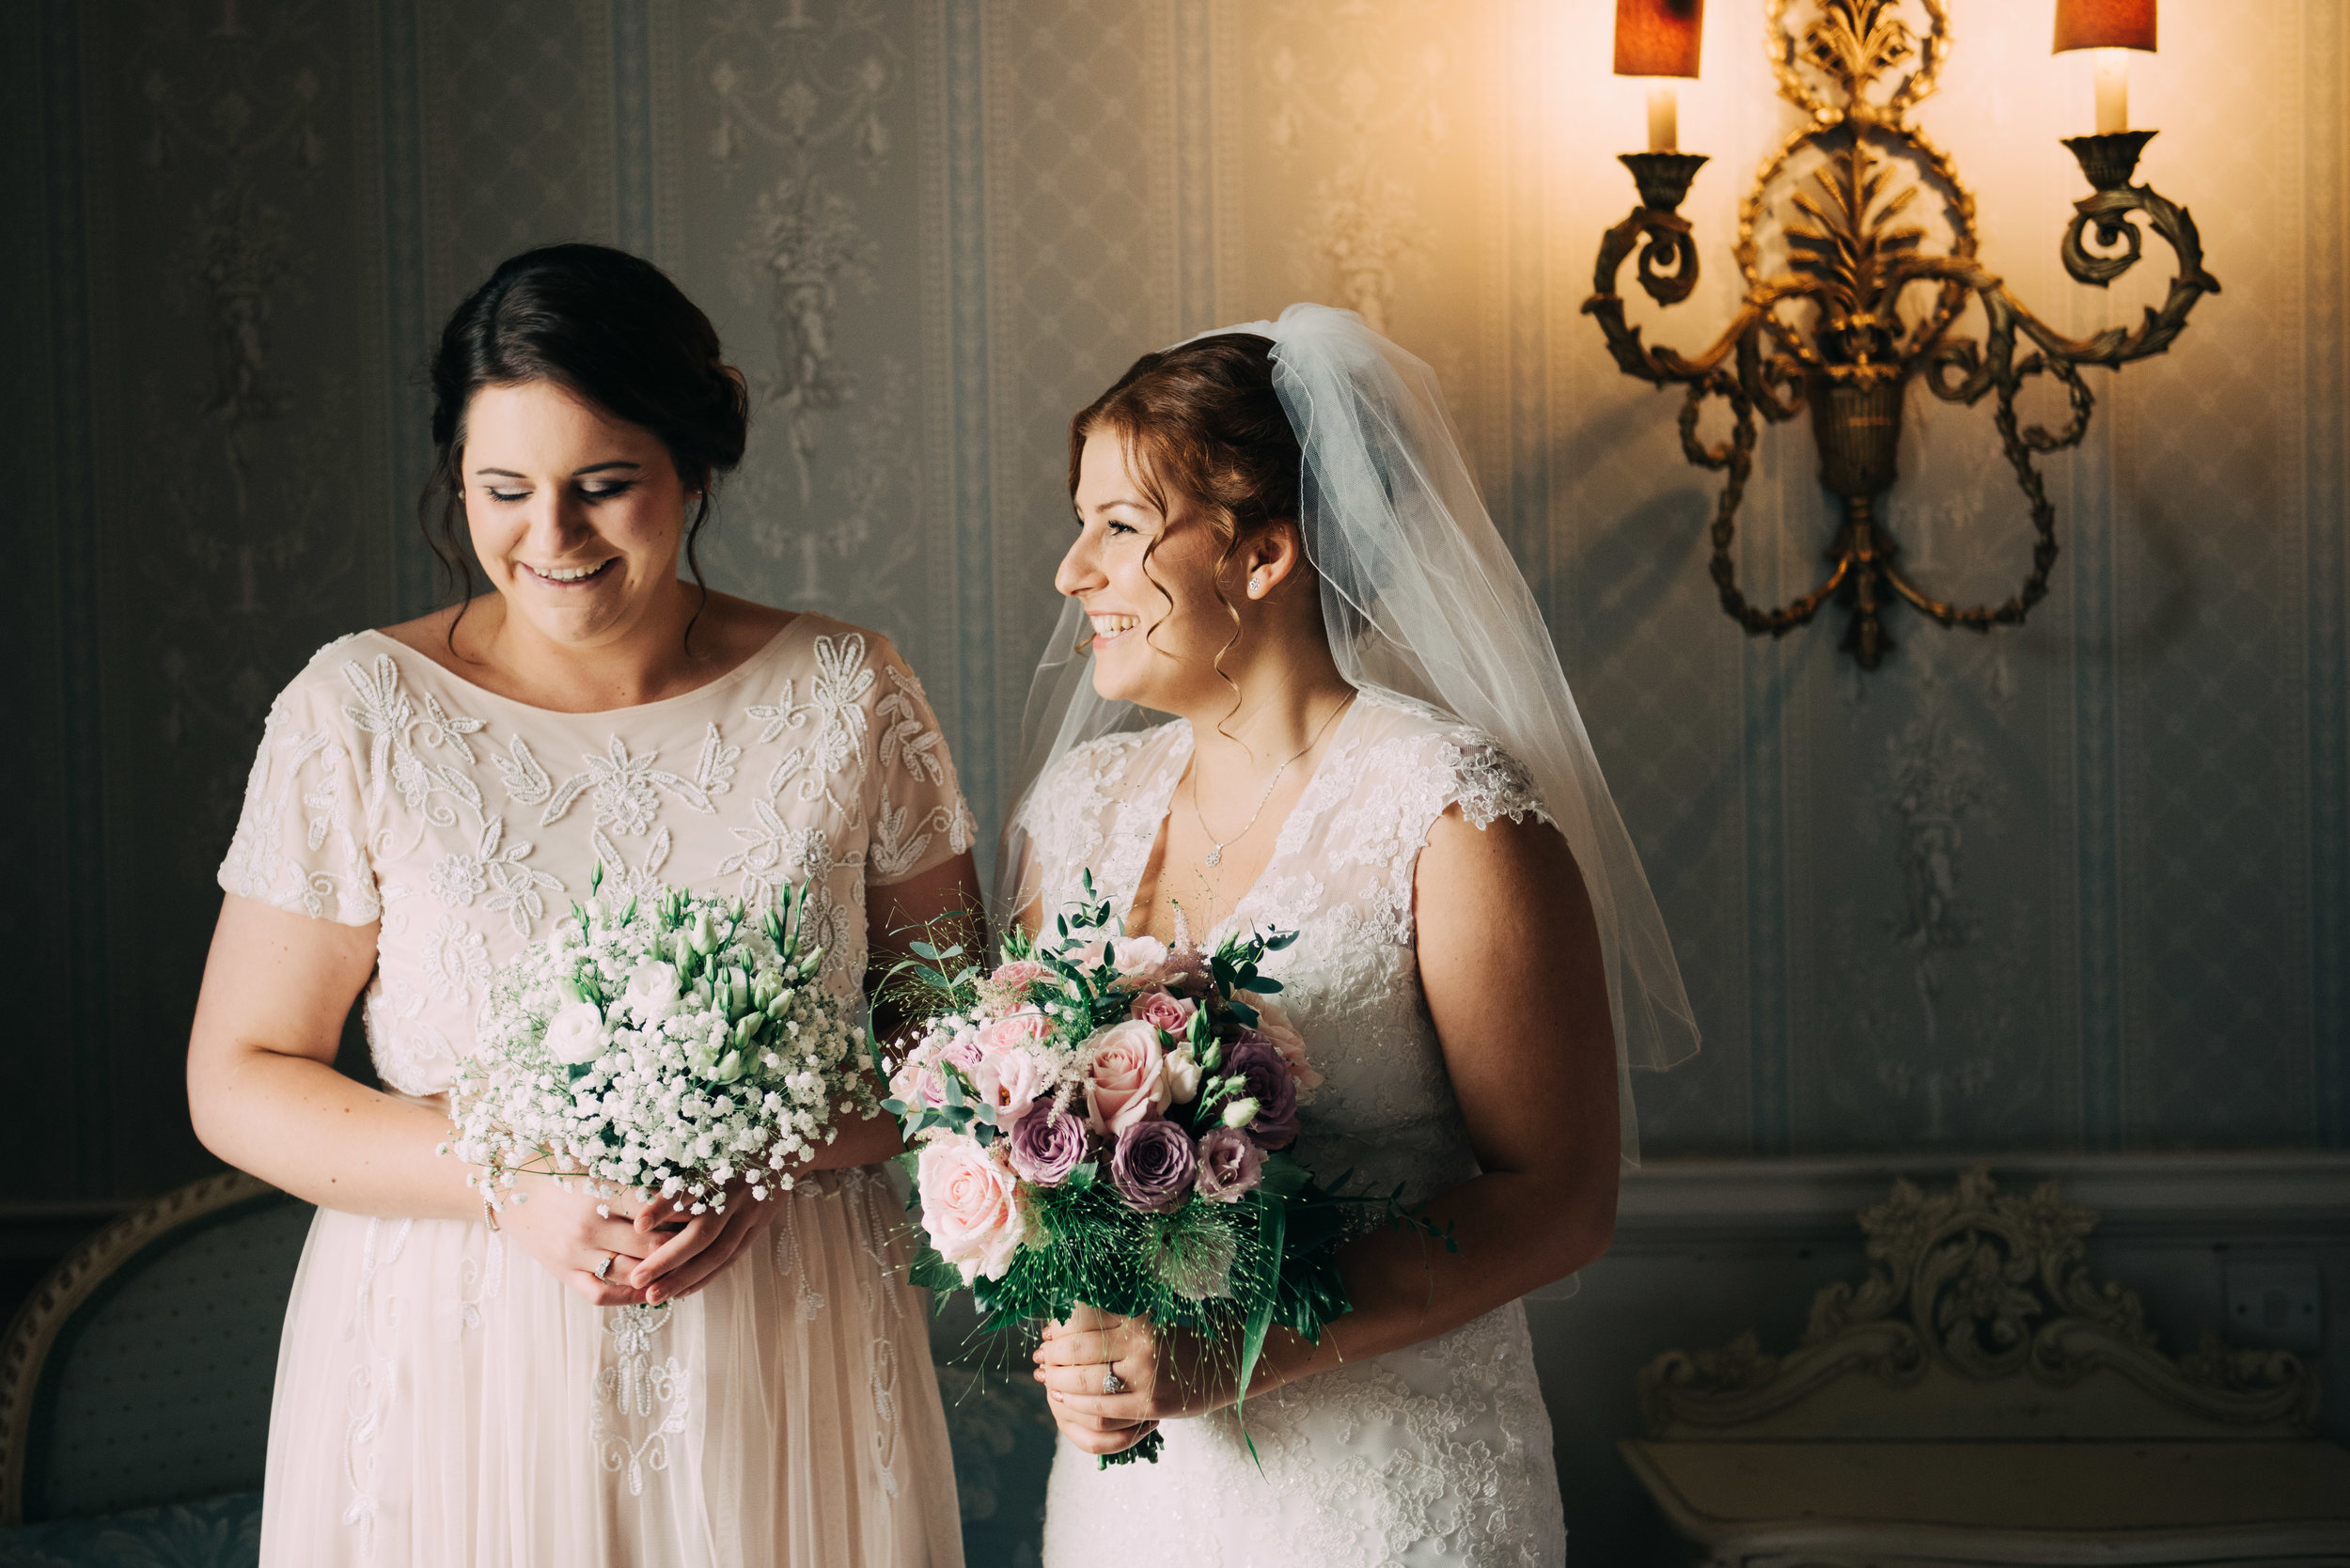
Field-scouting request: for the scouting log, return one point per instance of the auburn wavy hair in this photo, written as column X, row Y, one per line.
column 1201, row 420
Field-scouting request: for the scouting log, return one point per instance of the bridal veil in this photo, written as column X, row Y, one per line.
column 1421, row 598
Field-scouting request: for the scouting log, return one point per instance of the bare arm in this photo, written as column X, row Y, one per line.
column 1509, row 963
column 943, row 899
column 262, row 1087
column 265, row 1097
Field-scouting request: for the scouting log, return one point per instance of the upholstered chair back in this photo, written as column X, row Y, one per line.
column 140, row 1372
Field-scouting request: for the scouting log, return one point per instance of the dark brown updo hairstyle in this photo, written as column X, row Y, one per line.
column 608, row 327
column 1202, row 419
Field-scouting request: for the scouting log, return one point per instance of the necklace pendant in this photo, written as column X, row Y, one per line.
column 1215, row 856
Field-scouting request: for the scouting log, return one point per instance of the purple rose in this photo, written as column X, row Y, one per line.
column 1047, row 1145
column 1229, row 1165
column 1266, row 1080
column 1152, row 1165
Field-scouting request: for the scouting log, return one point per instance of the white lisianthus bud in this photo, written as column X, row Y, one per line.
column 1181, row 1071
column 705, row 935
column 1240, row 1113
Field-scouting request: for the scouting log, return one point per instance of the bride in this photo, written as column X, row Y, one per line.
column 1280, row 546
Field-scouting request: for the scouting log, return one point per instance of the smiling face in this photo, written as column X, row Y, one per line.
column 1157, row 631
column 576, row 516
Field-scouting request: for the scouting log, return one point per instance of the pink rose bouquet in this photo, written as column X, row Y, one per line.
column 1103, row 1119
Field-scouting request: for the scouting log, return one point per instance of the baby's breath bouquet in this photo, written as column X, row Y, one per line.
column 680, row 1045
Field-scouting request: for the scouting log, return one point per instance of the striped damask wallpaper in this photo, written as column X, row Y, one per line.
column 2085, row 885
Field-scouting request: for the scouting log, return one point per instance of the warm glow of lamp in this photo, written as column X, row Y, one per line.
column 2111, row 27
column 1659, row 39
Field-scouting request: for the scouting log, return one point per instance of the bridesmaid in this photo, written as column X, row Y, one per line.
column 640, row 1388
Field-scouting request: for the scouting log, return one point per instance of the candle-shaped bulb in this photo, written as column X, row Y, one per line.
column 1664, row 115
column 1659, row 39
column 2110, row 28
column 2113, row 92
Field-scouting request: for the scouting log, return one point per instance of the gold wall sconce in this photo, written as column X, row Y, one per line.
column 1857, row 70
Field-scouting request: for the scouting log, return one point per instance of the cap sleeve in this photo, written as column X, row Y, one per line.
column 916, row 808
column 301, row 837
column 1486, row 782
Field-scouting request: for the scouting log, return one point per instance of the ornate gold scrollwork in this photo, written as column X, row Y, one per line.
column 1853, row 258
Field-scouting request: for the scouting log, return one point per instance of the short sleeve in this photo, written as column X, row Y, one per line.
column 301, row 839
column 916, row 809
column 1487, row 783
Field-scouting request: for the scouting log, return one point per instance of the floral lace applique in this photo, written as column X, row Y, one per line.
column 374, row 1325
column 330, row 879
column 1067, row 816
column 831, row 723
column 775, row 852
column 456, row 962
column 906, row 741
column 625, row 790
column 635, row 1384
column 374, row 768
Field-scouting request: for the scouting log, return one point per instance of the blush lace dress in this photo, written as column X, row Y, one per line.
column 441, row 1399
column 1435, row 1454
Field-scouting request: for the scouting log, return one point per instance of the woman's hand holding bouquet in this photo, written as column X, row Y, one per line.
column 1096, row 1129
column 677, row 1056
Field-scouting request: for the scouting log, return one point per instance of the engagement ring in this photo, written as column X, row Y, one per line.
column 605, row 1268
column 1111, row 1382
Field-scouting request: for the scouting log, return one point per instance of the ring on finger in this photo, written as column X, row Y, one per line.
column 1111, row 1382
column 604, row 1270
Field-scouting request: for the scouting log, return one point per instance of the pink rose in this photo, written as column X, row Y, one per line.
column 916, row 1081
column 1139, row 959
column 1018, row 975
column 1125, row 1078
column 1008, row 1083
column 970, row 1206
column 1005, row 989
column 966, row 1052
column 1274, row 1025
column 1026, row 1027
column 1170, row 1016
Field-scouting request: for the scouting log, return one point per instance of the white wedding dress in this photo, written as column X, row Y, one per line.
column 1436, row 1454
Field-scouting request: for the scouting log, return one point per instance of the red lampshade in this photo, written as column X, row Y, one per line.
column 1659, row 37
column 2092, row 24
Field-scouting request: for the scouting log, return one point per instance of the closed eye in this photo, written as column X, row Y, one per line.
column 605, row 490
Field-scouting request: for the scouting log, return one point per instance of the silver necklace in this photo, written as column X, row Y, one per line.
column 1216, row 851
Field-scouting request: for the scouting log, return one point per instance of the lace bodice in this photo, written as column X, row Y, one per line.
column 388, row 788
column 1437, row 1453
column 1341, row 875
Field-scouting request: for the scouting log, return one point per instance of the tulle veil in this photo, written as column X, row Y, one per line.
column 1421, row 598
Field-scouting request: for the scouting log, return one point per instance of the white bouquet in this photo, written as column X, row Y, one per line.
column 685, row 1049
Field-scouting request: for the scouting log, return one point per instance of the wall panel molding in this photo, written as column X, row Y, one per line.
column 1678, row 1201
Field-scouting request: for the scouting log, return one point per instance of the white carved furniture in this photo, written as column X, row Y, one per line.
column 1979, row 1400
